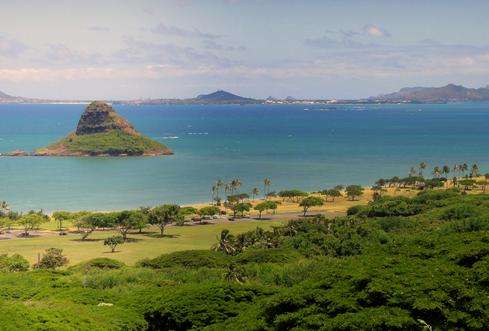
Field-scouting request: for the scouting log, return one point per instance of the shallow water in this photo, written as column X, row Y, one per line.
column 324, row 146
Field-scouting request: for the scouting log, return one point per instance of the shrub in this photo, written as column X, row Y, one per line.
column 267, row 256
column 355, row 210
column 188, row 259
column 459, row 212
column 52, row 259
column 13, row 263
column 104, row 263
column 113, row 242
column 389, row 224
column 398, row 206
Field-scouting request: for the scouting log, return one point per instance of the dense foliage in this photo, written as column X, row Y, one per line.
column 397, row 263
column 114, row 142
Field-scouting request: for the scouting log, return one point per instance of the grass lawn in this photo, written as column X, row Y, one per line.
column 144, row 246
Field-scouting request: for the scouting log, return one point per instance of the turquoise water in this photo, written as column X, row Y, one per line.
column 310, row 150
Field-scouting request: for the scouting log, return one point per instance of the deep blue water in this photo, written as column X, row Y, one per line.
column 297, row 149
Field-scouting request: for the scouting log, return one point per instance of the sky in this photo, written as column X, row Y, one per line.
column 124, row 49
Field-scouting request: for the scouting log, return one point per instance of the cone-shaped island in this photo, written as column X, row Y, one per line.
column 102, row 132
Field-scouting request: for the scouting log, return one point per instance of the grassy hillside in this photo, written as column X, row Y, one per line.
column 145, row 245
column 397, row 263
column 114, row 142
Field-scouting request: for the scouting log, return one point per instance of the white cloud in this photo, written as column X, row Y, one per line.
column 375, row 31
column 98, row 28
column 10, row 47
column 171, row 30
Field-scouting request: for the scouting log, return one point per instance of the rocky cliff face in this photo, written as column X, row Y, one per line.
column 102, row 132
column 99, row 117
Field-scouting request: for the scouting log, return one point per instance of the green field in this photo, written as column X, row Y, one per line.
column 144, row 245
column 397, row 263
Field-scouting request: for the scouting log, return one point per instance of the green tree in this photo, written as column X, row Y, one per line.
column 60, row 217
column 238, row 208
column 31, row 221
column 209, row 211
column 113, row 242
column 264, row 206
column 128, row 220
column 353, row 192
column 91, row 222
column 163, row 215
column 293, row 195
column 332, row 193
column 310, row 201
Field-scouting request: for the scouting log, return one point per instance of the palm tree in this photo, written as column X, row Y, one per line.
column 474, row 172
column 225, row 243
column 422, row 166
column 227, row 188
column 235, row 185
column 219, row 185
column 214, row 193
column 266, row 187
column 436, row 171
column 464, row 167
column 456, row 168
column 412, row 172
column 445, row 170
column 4, row 208
column 254, row 193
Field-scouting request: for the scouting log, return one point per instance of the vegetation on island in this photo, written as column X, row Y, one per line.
column 102, row 132
column 108, row 143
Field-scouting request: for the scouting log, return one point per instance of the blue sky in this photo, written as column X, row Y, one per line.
column 181, row 48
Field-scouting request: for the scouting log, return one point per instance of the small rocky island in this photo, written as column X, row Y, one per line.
column 102, row 132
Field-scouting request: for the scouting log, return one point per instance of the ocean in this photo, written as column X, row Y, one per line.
column 308, row 147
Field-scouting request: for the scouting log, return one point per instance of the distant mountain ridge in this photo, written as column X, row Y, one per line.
column 417, row 94
column 5, row 96
column 217, row 97
column 448, row 93
column 220, row 95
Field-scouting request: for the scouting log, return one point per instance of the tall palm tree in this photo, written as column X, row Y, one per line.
column 422, row 166
column 436, row 172
column 235, row 185
column 266, row 186
column 456, row 168
column 464, row 168
column 412, row 172
column 227, row 188
column 474, row 172
column 214, row 193
column 220, row 185
column 445, row 170
column 254, row 193
column 4, row 208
